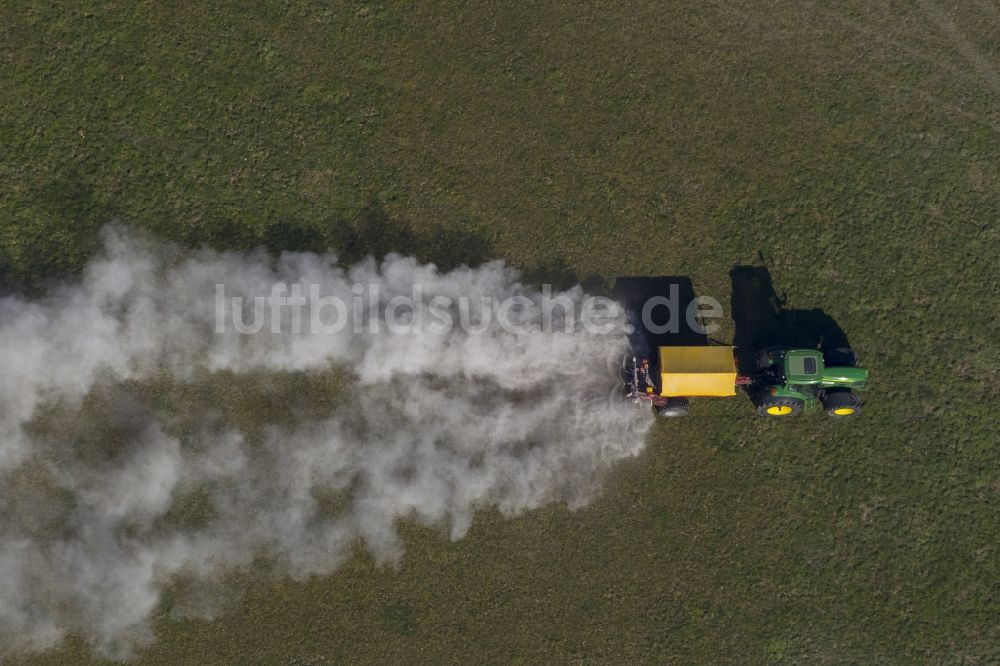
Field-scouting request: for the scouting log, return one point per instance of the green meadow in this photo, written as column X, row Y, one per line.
column 851, row 148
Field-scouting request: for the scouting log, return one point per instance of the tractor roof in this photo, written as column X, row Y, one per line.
column 803, row 366
column 697, row 371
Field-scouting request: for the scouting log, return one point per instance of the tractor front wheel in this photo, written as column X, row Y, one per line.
column 775, row 406
column 841, row 403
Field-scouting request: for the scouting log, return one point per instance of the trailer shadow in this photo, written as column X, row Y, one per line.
column 656, row 307
column 761, row 319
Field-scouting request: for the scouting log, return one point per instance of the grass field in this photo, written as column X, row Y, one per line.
column 854, row 145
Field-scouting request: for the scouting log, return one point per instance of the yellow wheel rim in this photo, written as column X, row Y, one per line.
column 779, row 410
column 844, row 411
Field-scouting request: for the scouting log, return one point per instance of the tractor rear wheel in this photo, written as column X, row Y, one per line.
column 770, row 405
column 841, row 403
column 675, row 407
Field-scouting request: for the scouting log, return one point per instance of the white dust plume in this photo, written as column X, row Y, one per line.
column 144, row 447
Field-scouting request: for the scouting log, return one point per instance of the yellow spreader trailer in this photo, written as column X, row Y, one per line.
column 682, row 373
column 689, row 372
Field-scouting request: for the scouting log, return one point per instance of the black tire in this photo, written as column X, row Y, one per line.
column 675, row 407
column 773, row 406
column 841, row 404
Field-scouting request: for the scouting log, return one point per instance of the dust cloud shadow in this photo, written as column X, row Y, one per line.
column 559, row 275
column 375, row 233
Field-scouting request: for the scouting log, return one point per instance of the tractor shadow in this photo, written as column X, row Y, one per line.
column 657, row 309
column 761, row 319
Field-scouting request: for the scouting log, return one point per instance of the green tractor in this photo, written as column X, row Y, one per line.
column 789, row 380
column 786, row 380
